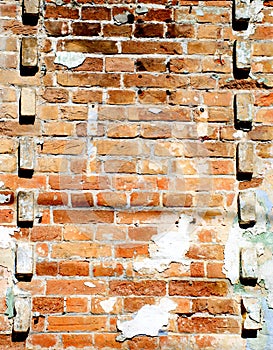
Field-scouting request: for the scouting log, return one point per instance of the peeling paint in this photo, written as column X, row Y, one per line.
column 167, row 247
column 108, row 304
column 69, row 59
column 149, row 320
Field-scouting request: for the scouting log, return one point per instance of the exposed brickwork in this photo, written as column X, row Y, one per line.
column 120, row 119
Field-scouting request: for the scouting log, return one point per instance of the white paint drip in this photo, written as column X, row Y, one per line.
column 69, row 59
column 149, row 320
column 167, row 247
column 108, row 304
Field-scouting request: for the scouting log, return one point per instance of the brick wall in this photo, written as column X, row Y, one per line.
column 136, row 174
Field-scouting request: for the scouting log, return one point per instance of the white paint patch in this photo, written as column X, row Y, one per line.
column 89, row 284
column 155, row 110
column 4, row 198
column 108, row 304
column 167, row 247
column 149, row 320
column 92, row 113
column 69, row 59
column 2, row 184
column 5, row 237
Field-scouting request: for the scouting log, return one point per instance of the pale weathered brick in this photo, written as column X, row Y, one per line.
column 245, row 159
column 244, row 110
column 22, row 319
column 26, row 153
column 25, row 207
column 247, row 208
column 29, row 52
column 24, row 259
column 249, row 264
column 243, row 55
column 28, row 102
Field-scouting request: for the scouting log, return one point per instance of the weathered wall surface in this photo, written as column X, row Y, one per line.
column 136, row 174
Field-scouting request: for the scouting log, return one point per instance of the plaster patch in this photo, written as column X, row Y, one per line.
column 256, row 16
column 241, row 238
column 167, row 247
column 108, row 304
column 149, row 320
column 69, row 59
column 5, row 237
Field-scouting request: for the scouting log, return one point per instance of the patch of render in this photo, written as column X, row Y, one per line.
column 167, row 247
column 69, row 59
column 264, row 339
column 4, row 198
column 149, row 320
column 108, row 304
column 256, row 16
column 245, row 238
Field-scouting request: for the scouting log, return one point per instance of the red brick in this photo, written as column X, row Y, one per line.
column 74, row 268
column 77, row 305
column 208, row 325
column 82, row 200
column 107, row 340
column 111, row 199
column 143, row 233
column 96, row 13
column 206, row 251
column 107, row 269
column 86, row 29
column 46, row 233
column 46, row 268
column 61, row 12
column 75, row 287
column 76, row 323
column 215, row 270
column 147, row 287
column 197, row 269
column 139, row 47
column 77, row 340
column 80, row 249
column 43, row 340
column 198, row 288
column 52, row 198
column 88, row 79
column 216, row 306
column 145, row 199
column 47, row 305
column 131, row 250
column 149, row 30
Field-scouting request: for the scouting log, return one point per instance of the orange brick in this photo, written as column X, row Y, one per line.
column 77, row 340
column 74, row 268
column 76, row 323
column 77, row 305
column 131, row 250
